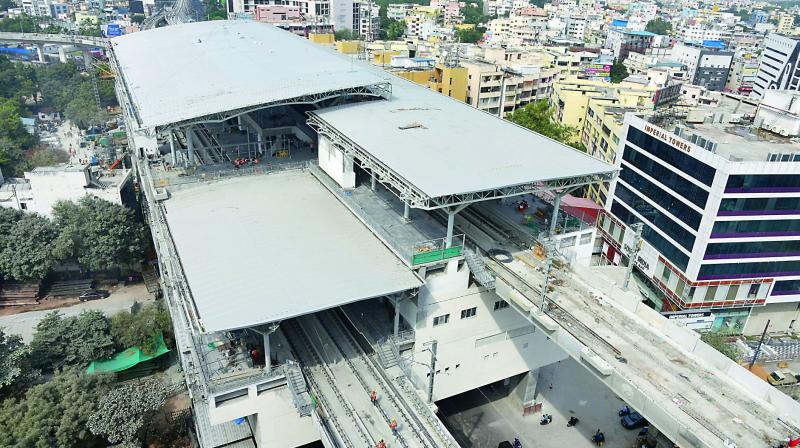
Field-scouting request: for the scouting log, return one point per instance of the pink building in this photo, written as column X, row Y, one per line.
column 277, row 13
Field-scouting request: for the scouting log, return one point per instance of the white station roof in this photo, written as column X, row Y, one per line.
column 449, row 147
column 260, row 249
column 192, row 70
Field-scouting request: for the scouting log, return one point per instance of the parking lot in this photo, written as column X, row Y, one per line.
column 485, row 417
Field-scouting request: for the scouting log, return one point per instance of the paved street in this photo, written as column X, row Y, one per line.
column 485, row 417
column 24, row 324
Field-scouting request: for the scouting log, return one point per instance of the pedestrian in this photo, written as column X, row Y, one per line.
column 373, row 397
column 393, row 425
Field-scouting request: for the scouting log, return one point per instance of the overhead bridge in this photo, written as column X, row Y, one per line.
column 63, row 39
column 689, row 391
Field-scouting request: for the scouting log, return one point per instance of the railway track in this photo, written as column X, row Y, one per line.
column 389, row 404
column 304, row 350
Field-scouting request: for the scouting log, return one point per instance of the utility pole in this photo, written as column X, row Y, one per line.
column 758, row 347
column 637, row 243
column 432, row 348
column 549, row 249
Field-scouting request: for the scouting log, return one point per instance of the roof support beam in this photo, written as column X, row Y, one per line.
column 416, row 198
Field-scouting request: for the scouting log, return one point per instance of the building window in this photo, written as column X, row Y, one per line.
column 499, row 305
column 469, row 312
column 753, row 291
column 441, row 320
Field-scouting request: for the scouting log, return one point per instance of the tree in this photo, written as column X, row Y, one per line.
column 473, row 13
column 54, row 413
column 538, row 117
column 15, row 366
column 98, row 234
column 344, row 34
column 124, row 413
column 140, row 327
column 394, row 29
column 137, row 19
column 618, row 72
column 27, row 253
column 659, row 26
column 8, row 217
column 470, row 35
column 75, row 340
column 719, row 341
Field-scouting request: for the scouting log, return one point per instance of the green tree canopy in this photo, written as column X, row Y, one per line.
column 123, row 413
column 27, row 253
column 344, row 34
column 719, row 341
column 470, row 36
column 71, row 341
column 140, row 327
column 473, row 13
column 659, row 26
column 15, row 363
column 538, row 117
column 98, row 234
column 618, row 72
column 395, row 29
column 54, row 414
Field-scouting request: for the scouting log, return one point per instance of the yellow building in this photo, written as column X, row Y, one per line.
column 785, row 24
column 384, row 57
column 570, row 98
column 450, row 81
column 348, row 46
column 600, row 135
column 322, row 38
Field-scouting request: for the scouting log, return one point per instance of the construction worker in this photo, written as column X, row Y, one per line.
column 393, row 425
column 380, row 444
column 373, row 397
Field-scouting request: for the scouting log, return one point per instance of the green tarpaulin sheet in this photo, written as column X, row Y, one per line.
column 126, row 359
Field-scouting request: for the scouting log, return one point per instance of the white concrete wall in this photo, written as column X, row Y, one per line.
column 334, row 163
column 277, row 422
column 475, row 351
column 783, row 317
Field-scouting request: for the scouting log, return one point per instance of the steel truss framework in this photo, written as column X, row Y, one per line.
column 416, row 198
column 376, row 90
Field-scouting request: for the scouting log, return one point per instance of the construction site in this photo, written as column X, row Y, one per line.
column 326, row 231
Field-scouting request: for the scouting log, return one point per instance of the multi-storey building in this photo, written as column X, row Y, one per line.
column 785, row 24
column 719, row 206
column 517, row 84
column 743, row 74
column 707, row 67
column 570, row 98
column 601, row 133
column 778, row 66
column 623, row 41
column 399, row 11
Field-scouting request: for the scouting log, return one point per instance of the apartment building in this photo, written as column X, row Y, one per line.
column 399, row 11
column 570, row 98
column 742, row 75
column 517, row 85
column 707, row 67
column 601, row 133
column 623, row 41
column 446, row 79
column 719, row 207
column 778, row 68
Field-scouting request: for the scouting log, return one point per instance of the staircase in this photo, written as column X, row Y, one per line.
column 387, row 353
column 478, row 269
column 297, row 385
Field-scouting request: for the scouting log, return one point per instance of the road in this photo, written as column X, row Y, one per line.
column 24, row 324
column 485, row 417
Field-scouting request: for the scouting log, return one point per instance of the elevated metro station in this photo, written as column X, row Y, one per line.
column 325, row 230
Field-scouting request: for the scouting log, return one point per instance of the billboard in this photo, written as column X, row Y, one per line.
column 111, row 30
column 667, row 95
column 694, row 320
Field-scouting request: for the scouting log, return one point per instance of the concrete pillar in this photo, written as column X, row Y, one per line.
column 527, row 390
column 87, row 60
column 62, row 55
column 267, row 352
column 40, row 52
column 451, row 218
column 554, row 218
column 373, row 183
column 190, row 145
column 397, row 316
column 406, row 212
column 172, row 148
